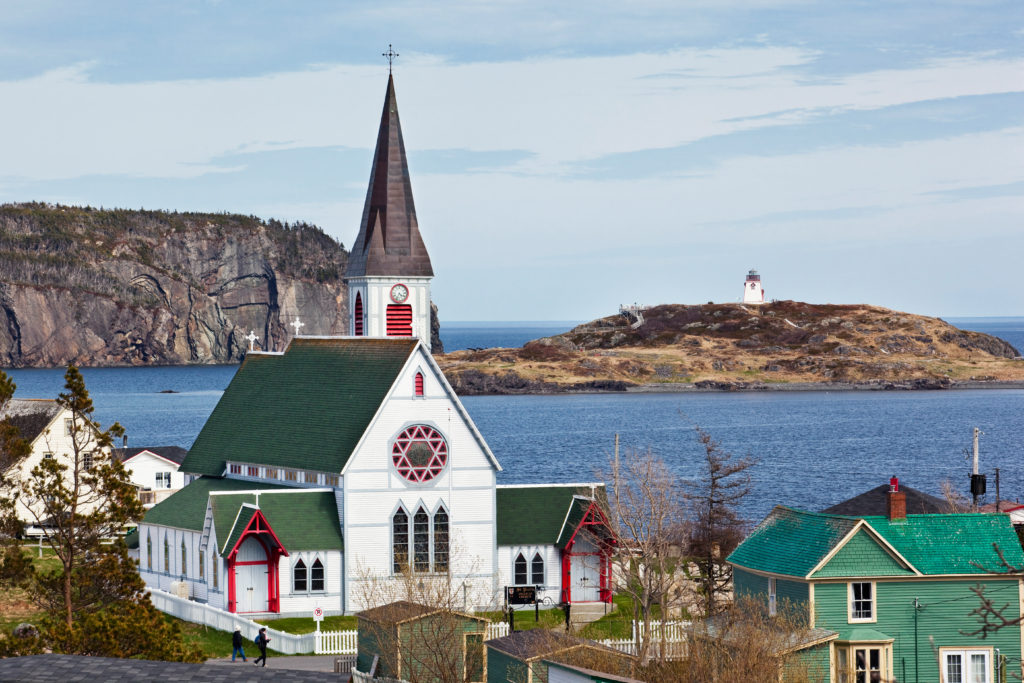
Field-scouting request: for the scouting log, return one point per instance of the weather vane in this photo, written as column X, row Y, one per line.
column 390, row 54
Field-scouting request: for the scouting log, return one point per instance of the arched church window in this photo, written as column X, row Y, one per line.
column 184, row 564
column 520, row 570
column 441, row 540
column 316, row 576
column 299, row 577
column 421, row 541
column 202, row 564
column 215, row 573
column 358, row 315
column 537, row 570
column 419, row 453
column 400, row 541
column 149, row 551
column 167, row 555
column 419, row 383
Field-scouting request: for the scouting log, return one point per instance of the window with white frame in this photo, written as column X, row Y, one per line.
column 184, row 563
column 441, row 540
column 519, row 575
column 400, row 541
column 316, row 576
column 149, row 551
column 167, row 555
column 862, row 601
column 202, row 565
column 537, row 570
column 425, row 541
column 299, row 577
column 966, row 666
column 862, row 664
column 69, row 426
column 773, row 597
column 215, row 573
column 87, row 461
column 421, row 541
column 163, row 480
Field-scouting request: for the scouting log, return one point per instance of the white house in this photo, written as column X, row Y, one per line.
column 49, row 428
column 154, row 470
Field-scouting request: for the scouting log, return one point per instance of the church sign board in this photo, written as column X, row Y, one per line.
column 521, row 595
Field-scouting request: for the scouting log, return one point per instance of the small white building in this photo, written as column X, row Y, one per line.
column 753, row 293
column 154, row 470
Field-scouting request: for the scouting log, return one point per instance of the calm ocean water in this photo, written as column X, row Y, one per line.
column 814, row 448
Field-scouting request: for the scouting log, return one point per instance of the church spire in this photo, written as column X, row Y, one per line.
column 389, row 242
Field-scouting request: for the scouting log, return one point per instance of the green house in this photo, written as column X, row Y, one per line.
column 407, row 640
column 890, row 588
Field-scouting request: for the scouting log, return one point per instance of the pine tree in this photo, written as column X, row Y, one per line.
column 95, row 602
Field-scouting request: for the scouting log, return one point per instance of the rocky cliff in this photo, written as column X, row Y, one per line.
column 116, row 287
column 729, row 346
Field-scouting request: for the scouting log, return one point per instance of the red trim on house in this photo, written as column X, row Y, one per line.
column 358, row 315
column 594, row 516
column 260, row 529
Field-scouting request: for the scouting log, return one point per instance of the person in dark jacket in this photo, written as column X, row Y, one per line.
column 261, row 643
column 236, row 645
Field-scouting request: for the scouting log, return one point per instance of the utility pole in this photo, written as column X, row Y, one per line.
column 974, row 473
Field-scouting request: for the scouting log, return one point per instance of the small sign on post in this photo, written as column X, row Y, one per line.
column 318, row 616
column 521, row 595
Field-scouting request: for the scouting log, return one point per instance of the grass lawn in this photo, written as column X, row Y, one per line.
column 300, row 625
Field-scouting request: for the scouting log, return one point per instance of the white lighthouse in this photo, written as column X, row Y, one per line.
column 752, row 292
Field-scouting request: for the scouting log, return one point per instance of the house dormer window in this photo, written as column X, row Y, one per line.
column 419, row 383
column 862, row 601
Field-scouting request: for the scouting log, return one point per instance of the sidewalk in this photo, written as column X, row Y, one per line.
column 323, row 663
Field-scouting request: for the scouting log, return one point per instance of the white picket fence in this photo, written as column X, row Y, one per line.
column 200, row 613
column 344, row 642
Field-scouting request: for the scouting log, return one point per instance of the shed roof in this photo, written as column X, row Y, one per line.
column 537, row 643
column 306, row 408
column 794, row 542
column 401, row 611
column 536, row 515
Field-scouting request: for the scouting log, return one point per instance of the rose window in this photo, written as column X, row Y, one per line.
column 419, row 453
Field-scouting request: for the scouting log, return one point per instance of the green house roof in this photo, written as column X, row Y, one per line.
column 186, row 509
column 306, row 408
column 535, row 515
column 794, row 542
column 301, row 520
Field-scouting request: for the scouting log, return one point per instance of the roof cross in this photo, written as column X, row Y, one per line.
column 390, row 54
column 298, row 324
column 252, row 339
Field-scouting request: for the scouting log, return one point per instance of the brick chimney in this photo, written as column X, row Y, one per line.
column 897, row 500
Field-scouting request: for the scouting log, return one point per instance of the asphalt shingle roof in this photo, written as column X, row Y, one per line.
column 30, row 415
column 173, row 453
column 534, row 515
column 306, row 408
column 876, row 502
column 301, row 520
column 68, row 668
column 793, row 542
column 186, row 509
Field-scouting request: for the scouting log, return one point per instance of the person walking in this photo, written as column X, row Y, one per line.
column 236, row 645
column 261, row 643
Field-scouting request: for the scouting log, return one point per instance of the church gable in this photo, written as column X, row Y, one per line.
column 862, row 555
column 306, row 408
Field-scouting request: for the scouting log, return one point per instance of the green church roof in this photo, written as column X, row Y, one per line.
column 793, row 542
column 535, row 515
column 186, row 509
column 306, row 408
column 301, row 520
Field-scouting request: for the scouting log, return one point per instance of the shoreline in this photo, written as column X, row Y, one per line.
column 876, row 385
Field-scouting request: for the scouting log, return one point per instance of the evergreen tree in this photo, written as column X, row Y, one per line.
column 95, row 602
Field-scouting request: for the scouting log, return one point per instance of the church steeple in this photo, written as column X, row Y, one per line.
column 389, row 271
column 389, row 242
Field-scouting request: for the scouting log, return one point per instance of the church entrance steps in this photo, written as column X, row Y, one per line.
column 583, row 613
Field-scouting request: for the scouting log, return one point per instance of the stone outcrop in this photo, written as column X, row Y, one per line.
column 97, row 287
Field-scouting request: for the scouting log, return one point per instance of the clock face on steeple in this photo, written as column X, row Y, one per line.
column 399, row 293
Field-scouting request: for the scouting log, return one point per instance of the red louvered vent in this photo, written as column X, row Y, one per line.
column 419, row 383
column 399, row 320
column 359, row 315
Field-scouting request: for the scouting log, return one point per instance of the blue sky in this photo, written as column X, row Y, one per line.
column 566, row 157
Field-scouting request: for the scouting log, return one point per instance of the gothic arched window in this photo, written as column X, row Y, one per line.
column 421, row 541
column 316, row 576
column 299, row 577
column 167, row 555
column 184, row 563
column 149, row 551
column 400, row 541
column 537, row 570
column 520, row 573
column 441, row 540
column 358, row 315
column 419, row 383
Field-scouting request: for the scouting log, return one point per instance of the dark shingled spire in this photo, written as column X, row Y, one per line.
column 389, row 241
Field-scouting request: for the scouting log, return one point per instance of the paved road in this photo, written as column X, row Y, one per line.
column 296, row 663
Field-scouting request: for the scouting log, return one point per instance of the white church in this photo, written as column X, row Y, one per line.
column 345, row 461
